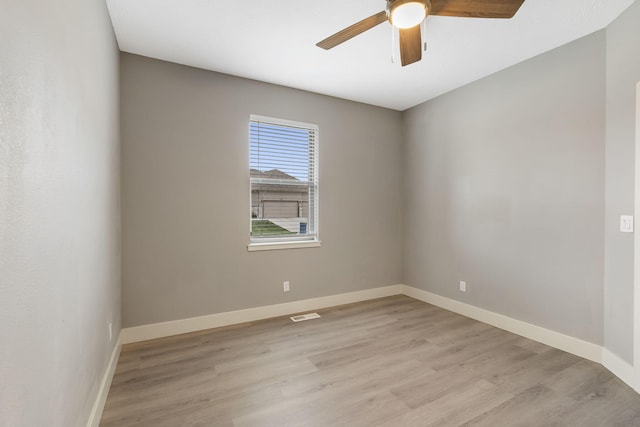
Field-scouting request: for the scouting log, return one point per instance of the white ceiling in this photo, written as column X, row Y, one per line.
column 274, row 41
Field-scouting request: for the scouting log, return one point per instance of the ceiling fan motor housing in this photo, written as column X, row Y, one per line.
column 407, row 13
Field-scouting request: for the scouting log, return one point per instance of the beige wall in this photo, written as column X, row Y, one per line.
column 59, row 209
column 186, row 148
column 505, row 190
column 623, row 73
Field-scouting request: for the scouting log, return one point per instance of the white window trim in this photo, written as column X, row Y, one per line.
column 272, row 246
column 282, row 122
column 265, row 244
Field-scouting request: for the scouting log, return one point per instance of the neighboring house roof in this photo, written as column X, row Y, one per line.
column 272, row 174
column 275, row 184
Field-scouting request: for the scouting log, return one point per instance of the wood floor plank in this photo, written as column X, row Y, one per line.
column 393, row 361
column 521, row 376
column 455, row 407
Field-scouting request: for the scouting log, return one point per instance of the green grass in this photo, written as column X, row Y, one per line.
column 264, row 227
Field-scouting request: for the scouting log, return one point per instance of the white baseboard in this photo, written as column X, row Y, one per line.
column 587, row 350
column 105, row 384
column 182, row 326
column 619, row 368
column 555, row 339
column 546, row 336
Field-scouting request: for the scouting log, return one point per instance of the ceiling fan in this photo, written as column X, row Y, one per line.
column 407, row 15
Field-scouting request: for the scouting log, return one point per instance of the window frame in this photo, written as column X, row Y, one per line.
column 295, row 241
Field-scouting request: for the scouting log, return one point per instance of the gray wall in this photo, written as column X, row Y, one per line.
column 59, row 209
column 623, row 73
column 185, row 149
column 504, row 189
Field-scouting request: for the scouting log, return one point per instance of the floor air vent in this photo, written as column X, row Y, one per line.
column 307, row 316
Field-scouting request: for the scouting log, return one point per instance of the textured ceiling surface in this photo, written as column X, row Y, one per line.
column 275, row 42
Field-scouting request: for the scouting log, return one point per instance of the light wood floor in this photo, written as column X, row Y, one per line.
column 388, row 362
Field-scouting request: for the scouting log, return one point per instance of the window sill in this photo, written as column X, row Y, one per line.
column 271, row 246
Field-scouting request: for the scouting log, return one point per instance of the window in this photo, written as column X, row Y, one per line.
column 283, row 171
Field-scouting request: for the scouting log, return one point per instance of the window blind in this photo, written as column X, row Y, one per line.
column 283, row 163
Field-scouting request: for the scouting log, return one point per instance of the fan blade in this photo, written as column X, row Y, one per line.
column 410, row 45
column 476, row 8
column 352, row 31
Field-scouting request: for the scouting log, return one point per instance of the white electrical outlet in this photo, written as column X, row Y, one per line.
column 463, row 286
column 110, row 331
column 285, row 286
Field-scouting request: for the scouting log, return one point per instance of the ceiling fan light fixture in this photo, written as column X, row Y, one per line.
column 407, row 13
